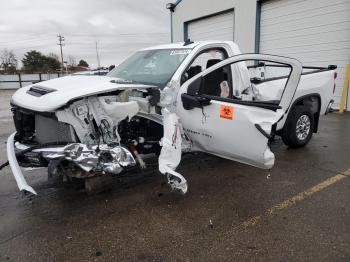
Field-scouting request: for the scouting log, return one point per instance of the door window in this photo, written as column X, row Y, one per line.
column 251, row 80
column 203, row 61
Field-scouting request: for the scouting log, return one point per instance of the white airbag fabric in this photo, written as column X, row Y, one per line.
column 170, row 155
column 120, row 110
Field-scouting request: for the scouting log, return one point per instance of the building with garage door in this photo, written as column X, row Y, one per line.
column 317, row 32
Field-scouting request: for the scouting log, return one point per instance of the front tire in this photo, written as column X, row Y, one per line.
column 299, row 127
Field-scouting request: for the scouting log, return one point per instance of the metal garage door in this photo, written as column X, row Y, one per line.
column 217, row 27
column 317, row 32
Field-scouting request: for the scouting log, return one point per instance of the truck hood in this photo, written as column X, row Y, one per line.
column 52, row 94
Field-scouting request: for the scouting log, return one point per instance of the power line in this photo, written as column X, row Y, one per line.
column 31, row 47
column 119, row 34
column 36, row 36
column 61, row 43
column 36, row 39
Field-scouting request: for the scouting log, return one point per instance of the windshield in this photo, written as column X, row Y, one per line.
column 154, row 67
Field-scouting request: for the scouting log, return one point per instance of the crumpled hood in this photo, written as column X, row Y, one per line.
column 65, row 89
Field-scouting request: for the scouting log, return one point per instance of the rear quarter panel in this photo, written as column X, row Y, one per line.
column 321, row 84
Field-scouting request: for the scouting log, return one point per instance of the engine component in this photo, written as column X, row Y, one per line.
column 138, row 157
column 143, row 134
column 96, row 118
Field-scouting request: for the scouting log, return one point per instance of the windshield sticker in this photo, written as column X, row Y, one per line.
column 180, row 52
column 226, row 112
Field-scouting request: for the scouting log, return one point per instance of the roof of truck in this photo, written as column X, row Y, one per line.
column 180, row 45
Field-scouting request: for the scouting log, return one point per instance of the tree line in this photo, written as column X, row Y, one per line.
column 35, row 62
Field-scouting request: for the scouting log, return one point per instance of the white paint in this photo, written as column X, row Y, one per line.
column 16, row 170
column 317, row 32
column 68, row 88
column 237, row 139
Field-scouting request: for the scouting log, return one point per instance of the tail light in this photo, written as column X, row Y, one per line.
column 335, row 77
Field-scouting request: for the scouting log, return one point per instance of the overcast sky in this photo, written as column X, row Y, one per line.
column 119, row 26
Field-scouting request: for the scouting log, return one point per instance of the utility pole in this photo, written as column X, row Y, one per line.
column 98, row 57
column 61, row 43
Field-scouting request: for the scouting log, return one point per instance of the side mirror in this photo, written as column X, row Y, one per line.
column 191, row 101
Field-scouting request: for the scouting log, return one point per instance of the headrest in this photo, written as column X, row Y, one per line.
column 212, row 62
column 194, row 70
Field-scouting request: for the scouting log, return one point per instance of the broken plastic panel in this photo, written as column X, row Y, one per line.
column 170, row 155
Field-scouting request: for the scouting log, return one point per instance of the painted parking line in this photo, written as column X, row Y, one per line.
column 295, row 199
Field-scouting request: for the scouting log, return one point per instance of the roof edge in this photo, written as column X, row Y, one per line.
column 177, row 2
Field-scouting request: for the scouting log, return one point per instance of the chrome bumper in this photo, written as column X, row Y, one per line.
column 86, row 157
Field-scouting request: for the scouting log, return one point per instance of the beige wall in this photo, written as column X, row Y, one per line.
column 245, row 13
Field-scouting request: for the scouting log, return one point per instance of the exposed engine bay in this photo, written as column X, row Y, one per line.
column 99, row 135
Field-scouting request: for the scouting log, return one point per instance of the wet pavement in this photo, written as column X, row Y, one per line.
column 139, row 219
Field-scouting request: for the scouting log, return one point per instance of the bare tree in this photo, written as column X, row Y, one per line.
column 71, row 61
column 8, row 60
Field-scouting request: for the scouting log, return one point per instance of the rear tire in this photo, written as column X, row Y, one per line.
column 299, row 127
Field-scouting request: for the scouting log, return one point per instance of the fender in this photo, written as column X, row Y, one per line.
column 317, row 115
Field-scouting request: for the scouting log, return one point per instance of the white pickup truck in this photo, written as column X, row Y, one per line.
column 163, row 101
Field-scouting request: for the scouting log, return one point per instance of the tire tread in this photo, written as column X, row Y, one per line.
column 289, row 130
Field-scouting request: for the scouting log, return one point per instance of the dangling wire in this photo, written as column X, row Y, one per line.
column 174, row 137
column 204, row 117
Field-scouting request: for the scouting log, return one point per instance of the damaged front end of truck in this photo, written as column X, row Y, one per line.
column 103, row 134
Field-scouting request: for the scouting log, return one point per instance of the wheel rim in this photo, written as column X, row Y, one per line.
column 303, row 127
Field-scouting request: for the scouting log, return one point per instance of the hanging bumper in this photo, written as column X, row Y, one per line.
column 88, row 158
column 15, row 168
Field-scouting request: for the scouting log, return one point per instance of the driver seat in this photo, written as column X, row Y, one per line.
column 212, row 80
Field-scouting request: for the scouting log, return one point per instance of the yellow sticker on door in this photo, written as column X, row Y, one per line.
column 227, row 112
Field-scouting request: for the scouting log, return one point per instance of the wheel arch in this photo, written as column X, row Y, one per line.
column 314, row 101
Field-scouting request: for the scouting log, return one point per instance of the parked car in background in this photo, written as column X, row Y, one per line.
column 101, row 72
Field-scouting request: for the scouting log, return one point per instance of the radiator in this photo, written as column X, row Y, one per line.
column 49, row 130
